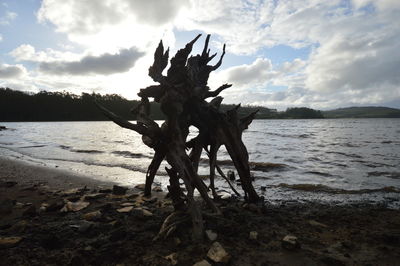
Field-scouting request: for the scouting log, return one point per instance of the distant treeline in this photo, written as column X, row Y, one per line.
column 64, row 106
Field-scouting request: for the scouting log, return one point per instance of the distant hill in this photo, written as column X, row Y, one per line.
column 65, row 106
column 363, row 112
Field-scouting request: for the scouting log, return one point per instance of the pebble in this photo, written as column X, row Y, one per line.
column 217, row 253
column 9, row 242
column 290, row 242
column 212, row 236
column 92, row 216
column 253, row 235
column 173, row 258
column 202, row 263
column 125, row 209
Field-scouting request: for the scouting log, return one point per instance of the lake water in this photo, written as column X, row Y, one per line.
column 334, row 160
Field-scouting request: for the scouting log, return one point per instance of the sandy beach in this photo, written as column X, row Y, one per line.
column 55, row 217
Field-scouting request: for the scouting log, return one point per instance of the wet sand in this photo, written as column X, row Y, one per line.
column 54, row 217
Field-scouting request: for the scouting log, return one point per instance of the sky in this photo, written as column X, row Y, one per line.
column 279, row 53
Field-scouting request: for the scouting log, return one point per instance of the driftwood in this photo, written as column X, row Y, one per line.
column 182, row 95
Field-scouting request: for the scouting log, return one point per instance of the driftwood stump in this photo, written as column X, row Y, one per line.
column 182, row 95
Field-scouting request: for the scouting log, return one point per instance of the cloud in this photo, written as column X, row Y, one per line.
column 1, row 37
column 11, row 71
column 104, row 64
column 27, row 52
column 88, row 17
column 7, row 18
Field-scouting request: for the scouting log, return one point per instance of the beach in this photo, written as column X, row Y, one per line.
column 50, row 216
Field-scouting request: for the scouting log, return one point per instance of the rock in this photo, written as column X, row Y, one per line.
column 9, row 242
column 118, row 190
column 217, row 253
column 253, row 235
column 6, row 206
column 141, row 213
column 132, row 196
column 125, row 209
column 140, row 186
column 173, row 258
column 263, row 188
column 95, row 196
column 150, row 199
column 127, row 204
column 74, row 206
column 212, row 236
column 202, row 263
column 92, row 216
column 290, row 242
column 317, row 224
column 157, row 189
column 2, row 128
column 31, row 211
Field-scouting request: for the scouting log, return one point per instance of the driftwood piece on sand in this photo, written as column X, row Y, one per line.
column 182, row 95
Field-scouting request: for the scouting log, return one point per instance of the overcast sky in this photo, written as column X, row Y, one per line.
column 280, row 53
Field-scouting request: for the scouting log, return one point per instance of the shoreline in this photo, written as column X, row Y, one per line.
column 40, row 226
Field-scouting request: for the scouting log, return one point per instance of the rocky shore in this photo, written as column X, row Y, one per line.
column 50, row 217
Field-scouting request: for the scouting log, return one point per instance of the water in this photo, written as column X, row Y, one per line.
column 335, row 160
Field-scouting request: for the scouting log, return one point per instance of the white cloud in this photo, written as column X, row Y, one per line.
column 8, row 18
column 104, row 64
column 27, row 52
column 1, row 37
column 11, row 71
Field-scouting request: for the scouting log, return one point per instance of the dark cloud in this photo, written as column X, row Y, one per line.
column 10, row 71
column 104, row 64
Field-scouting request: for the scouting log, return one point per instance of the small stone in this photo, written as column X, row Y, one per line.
column 253, row 235
column 140, row 213
column 92, row 216
column 74, row 206
column 202, row 263
column 140, row 186
column 212, row 236
column 132, row 196
column 290, row 242
column 173, row 258
column 118, row 190
column 125, row 209
column 317, row 224
column 127, row 204
column 263, row 188
column 157, row 189
column 217, row 253
column 95, row 196
column 9, row 242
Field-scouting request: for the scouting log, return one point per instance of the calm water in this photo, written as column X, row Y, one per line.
column 339, row 160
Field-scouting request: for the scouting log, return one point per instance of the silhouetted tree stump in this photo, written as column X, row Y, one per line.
column 182, row 94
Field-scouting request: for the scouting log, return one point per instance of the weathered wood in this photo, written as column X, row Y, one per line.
column 181, row 94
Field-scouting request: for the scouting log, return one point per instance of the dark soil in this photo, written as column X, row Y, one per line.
column 324, row 235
